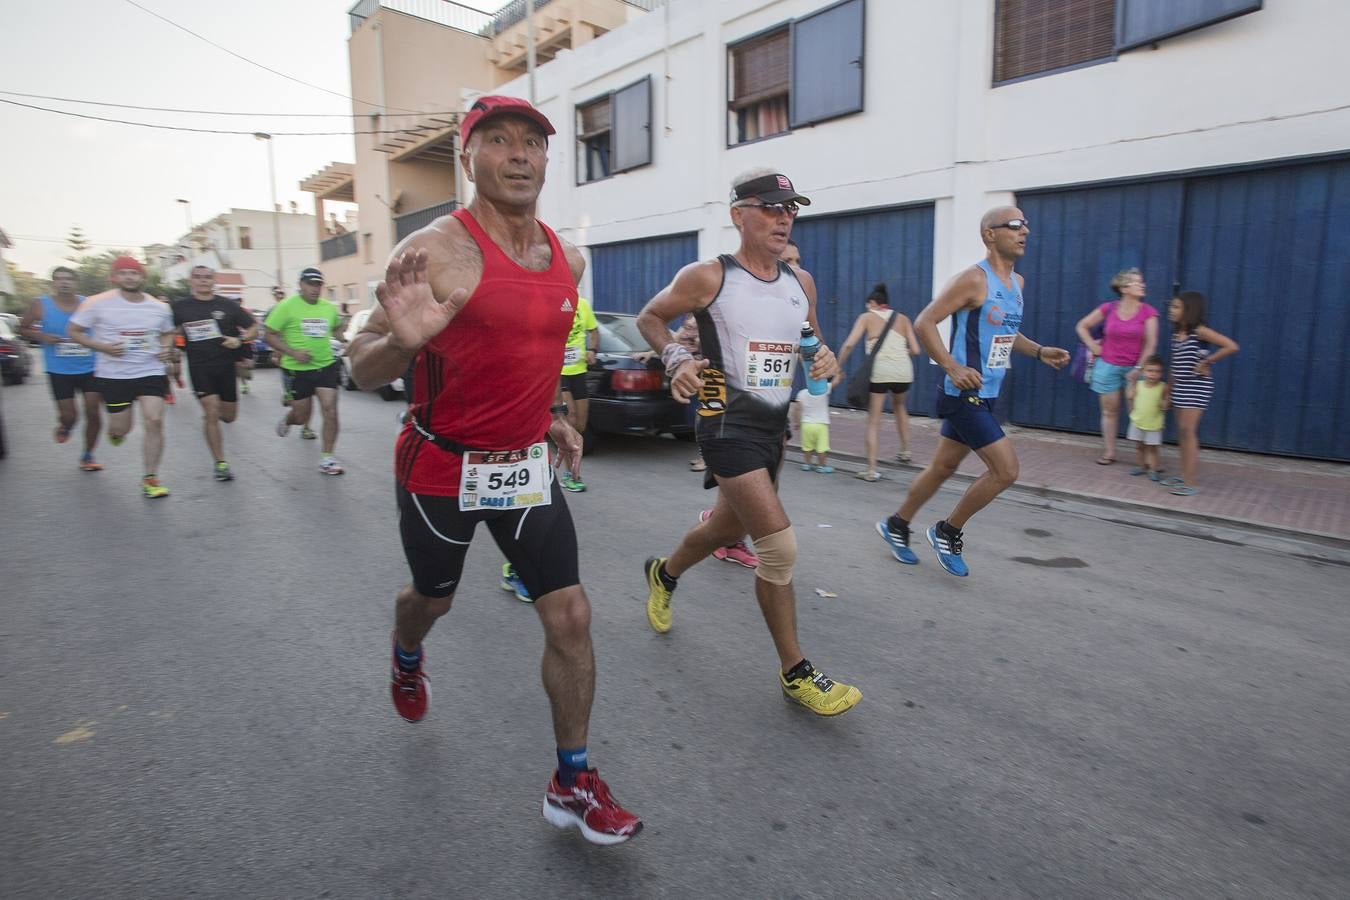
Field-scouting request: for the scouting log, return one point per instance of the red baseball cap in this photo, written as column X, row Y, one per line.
column 128, row 262
column 498, row 105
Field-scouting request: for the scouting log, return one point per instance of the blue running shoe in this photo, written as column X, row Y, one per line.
column 899, row 544
column 948, row 551
column 511, row 582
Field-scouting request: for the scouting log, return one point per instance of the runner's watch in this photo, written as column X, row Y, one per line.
column 559, row 409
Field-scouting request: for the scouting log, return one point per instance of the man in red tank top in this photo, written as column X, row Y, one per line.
column 480, row 303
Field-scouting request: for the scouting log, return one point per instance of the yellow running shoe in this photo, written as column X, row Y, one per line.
column 152, row 489
column 658, row 596
column 817, row 692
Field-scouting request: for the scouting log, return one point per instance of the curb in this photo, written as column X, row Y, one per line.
column 1337, row 547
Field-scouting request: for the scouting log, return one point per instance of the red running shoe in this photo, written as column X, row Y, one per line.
column 411, row 691
column 591, row 807
column 737, row 553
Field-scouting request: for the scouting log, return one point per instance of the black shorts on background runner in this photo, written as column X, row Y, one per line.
column 217, row 378
column 65, row 386
column 301, row 385
column 540, row 542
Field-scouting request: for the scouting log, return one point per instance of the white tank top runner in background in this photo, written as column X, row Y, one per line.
column 750, row 334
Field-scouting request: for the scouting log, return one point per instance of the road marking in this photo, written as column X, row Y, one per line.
column 81, row 732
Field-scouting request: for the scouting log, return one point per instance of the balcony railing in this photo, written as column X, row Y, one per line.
column 407, row 223
column 514, row 12
column 339, row 246
column 442, row 12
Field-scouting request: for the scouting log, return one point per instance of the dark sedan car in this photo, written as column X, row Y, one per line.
column 15, row 363
column 629, row 395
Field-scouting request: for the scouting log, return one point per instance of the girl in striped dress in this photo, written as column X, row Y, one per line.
column 1191, row 385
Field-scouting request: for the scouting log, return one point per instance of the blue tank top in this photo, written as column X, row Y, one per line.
column 982, row 338
column 67, row 357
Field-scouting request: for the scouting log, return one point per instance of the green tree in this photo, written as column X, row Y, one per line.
column 26, row 287
column 78, row 244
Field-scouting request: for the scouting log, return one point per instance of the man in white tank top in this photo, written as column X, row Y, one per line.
column 749, row 307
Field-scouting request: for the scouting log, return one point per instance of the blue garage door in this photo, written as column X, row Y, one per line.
column 624, row 276
column 848, row 254
column 1269, row 247
column 1080, row 239
column 1270, row 250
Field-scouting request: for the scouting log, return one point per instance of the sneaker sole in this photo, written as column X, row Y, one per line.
column 811, row 709
column 884, row 532
column 942, row 562
column 559, row 817
column 743, row 565
column 511, row 590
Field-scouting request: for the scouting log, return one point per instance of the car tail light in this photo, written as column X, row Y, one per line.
column 636, row 380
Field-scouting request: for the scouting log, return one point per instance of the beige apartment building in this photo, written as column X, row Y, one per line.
column 415, row 65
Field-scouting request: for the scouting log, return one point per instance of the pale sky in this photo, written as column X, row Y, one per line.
column 121, row 183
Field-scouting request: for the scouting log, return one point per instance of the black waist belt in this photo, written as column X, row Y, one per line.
column 440, row 440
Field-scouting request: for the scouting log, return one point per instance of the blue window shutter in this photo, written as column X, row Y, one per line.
column 827, row 64
column 1144, row 21
column 632, row 134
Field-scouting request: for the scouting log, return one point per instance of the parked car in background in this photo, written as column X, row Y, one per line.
column 264, row 357
column 15, row 358
column 391, row 391
column 630, row 395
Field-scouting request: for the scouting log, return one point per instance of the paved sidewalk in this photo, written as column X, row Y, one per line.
column 1294, row 496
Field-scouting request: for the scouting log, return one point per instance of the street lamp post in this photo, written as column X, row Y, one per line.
column 187, row 213
column 276, row 213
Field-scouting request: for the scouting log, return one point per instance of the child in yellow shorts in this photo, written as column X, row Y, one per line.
column 811, row 416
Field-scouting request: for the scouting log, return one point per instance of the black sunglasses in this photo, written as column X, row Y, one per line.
column 1013, row 225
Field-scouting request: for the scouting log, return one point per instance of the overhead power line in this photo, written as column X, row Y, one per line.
column 258, row 64
column 203, row 112
column 415, row 129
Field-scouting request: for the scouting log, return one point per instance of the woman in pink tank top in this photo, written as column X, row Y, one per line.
column 1130, row 332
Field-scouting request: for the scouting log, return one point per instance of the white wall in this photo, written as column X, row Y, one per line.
column 258, row 264
column 933, row 129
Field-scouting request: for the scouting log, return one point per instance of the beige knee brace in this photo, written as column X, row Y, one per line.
column 777, row 554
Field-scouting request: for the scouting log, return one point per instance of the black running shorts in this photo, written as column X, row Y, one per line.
column 729, row 457
column 540, row 542
column 576, row 386
column 65, row 386
column 217, row 378
column 120, row 393
column 302, row 385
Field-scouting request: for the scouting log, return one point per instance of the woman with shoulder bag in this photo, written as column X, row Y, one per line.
column 1129, row 336
column 890, row 342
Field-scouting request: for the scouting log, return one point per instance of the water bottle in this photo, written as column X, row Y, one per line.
column 810, row 344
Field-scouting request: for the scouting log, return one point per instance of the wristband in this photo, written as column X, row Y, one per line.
column 674, row 355
column 1038, row 353
column 559, row 409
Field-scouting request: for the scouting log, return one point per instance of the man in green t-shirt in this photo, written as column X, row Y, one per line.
column 301, row 329
column 578, row 353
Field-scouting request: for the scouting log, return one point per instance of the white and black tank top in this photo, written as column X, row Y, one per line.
column 750, row 334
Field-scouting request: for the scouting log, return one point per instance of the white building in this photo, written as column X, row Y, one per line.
column 241, row 246
column 1131, row 132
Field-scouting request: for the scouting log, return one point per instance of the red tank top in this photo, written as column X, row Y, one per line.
column 488, row 379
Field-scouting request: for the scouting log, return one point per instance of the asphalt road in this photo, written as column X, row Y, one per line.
column 194, row 702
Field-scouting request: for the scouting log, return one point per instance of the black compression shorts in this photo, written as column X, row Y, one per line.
column 540, row 542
